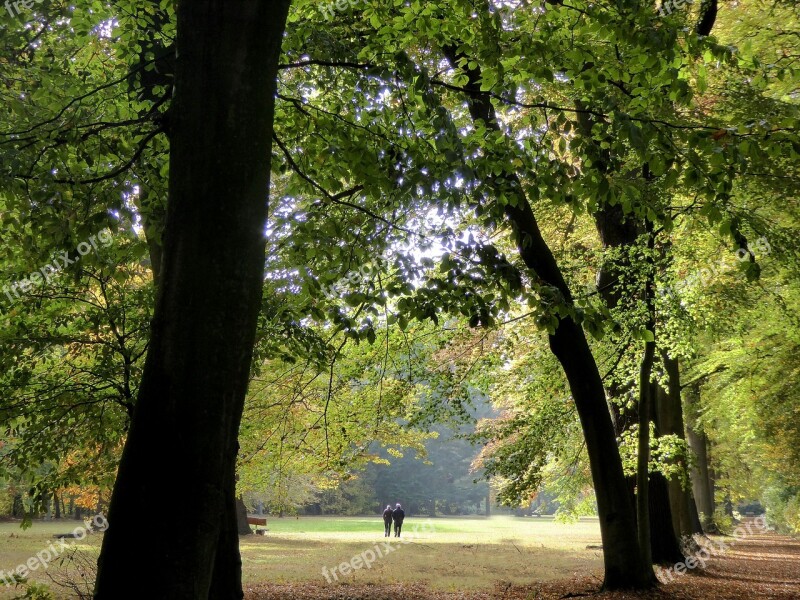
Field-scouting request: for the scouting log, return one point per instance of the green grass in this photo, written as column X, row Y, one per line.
column 446, row 553
column 17, row 546
column 456, row 553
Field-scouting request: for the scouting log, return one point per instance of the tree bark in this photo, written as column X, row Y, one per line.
column 643, row 454
column 701, row 473
column 708, row 16
column 241, row 517
column 153, row 237
column 664, row 544
column 664, row 513
column 183, row 436
column 669, row 421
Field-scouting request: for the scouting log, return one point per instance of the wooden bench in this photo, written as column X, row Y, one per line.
column 258, row 522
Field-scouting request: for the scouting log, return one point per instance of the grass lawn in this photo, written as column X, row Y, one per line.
column 18, row 546
column 446, row 553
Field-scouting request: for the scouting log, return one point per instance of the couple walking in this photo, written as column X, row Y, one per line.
column 397, row 515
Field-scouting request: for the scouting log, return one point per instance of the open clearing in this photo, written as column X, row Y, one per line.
column 445, row 553
column 475, row 558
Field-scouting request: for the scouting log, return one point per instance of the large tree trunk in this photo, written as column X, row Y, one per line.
column 182, row 441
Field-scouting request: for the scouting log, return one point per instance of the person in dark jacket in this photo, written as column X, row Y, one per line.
column 398, row 514
column 387, row 521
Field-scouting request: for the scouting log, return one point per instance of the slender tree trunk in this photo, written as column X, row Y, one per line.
column 670, row 421
column 643, row 455
column 664, row 515
column 182, row 440
column 656, row 535
column 711, row 478
column 622, row 560
column 680, row 498
column 700, row 474
column 57, row 504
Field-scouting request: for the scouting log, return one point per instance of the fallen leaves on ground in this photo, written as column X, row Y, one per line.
column 763, row 567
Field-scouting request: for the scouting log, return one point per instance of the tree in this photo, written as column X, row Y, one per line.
column 183, row 434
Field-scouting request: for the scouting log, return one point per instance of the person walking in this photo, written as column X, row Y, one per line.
column 398, row 514
column 387, row 521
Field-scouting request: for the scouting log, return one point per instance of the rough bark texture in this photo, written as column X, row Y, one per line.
column 622, row 559
column 182, row 441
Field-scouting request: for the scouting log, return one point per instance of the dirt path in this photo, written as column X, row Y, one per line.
column 760, row 567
